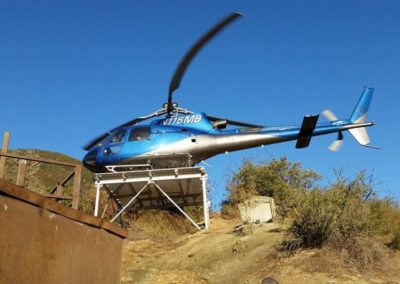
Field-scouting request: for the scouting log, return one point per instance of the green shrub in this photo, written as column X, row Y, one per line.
column 348, row 217
column 336, row 214
column 313, row 220
column 285, row 181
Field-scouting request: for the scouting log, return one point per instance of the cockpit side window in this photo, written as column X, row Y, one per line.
column 142, row 133
column 118, row 137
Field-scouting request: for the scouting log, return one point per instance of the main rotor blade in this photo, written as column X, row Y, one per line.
column 95, row 141
column 233, row 122
column 180, row 70
column 98, row 139
column 101, row 137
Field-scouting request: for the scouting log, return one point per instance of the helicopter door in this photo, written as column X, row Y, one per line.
column 139, row 138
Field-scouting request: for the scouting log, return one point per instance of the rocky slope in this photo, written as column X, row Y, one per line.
column 221, row 256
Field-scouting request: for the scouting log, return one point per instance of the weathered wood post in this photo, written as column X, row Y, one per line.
column 6, row 139
column 21, row 173
column 77, row 187
column 59, row 189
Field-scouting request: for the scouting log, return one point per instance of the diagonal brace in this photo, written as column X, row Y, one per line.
column 176, row 205
column 130, row 202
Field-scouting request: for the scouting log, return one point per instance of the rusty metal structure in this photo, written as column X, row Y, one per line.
column 43, row 241
column 57, row 190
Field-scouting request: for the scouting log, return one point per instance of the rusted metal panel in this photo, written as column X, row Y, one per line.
column 40, row 246
column 53, row 206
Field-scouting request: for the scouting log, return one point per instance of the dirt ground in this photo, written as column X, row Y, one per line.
column 220, row 256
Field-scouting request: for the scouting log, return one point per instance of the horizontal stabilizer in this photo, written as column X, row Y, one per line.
column 306, row 130
column 361, row 136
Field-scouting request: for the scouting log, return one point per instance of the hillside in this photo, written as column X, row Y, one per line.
column 221, row 256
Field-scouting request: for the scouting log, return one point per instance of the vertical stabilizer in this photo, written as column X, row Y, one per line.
column 359, row 115
column 361, row 110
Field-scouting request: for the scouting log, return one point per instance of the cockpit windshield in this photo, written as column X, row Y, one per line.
column 118, row 137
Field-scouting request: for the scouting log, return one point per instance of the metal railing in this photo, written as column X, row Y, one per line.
column 57, row 190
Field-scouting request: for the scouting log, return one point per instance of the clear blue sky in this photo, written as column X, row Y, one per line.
column 69, row 70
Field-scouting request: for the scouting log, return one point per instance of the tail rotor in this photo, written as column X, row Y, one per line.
column 358, row 117
column 335, row 146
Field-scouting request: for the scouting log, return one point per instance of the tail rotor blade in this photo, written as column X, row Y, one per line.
column 335, row 146
column 329, row 115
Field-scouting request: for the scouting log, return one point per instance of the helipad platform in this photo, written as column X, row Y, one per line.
column 156, row 189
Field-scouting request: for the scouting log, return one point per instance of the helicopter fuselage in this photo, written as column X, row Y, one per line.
column 185, row 140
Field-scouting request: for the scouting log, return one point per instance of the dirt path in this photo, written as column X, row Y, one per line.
column 219, row 256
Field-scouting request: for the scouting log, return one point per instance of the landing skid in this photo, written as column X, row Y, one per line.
column 157, row 161
column 125, row 168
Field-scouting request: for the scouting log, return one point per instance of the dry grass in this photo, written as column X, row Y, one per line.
column 365, row 253
column 219, row 256
column 365, row 258
column 229, row 211
column 360, row 255
column 159, row 225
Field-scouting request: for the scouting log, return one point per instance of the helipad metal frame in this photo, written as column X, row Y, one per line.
column 153, row 178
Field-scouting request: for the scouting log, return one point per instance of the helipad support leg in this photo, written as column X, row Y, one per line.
column 96, row 206
column 205, row 203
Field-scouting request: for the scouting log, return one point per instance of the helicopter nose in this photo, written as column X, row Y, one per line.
column 90, row 159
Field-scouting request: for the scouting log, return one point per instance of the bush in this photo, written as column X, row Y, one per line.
column 346, row 216
column 285, row 181
column 312, row 223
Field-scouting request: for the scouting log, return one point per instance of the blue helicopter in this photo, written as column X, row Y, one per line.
column 182, row 138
